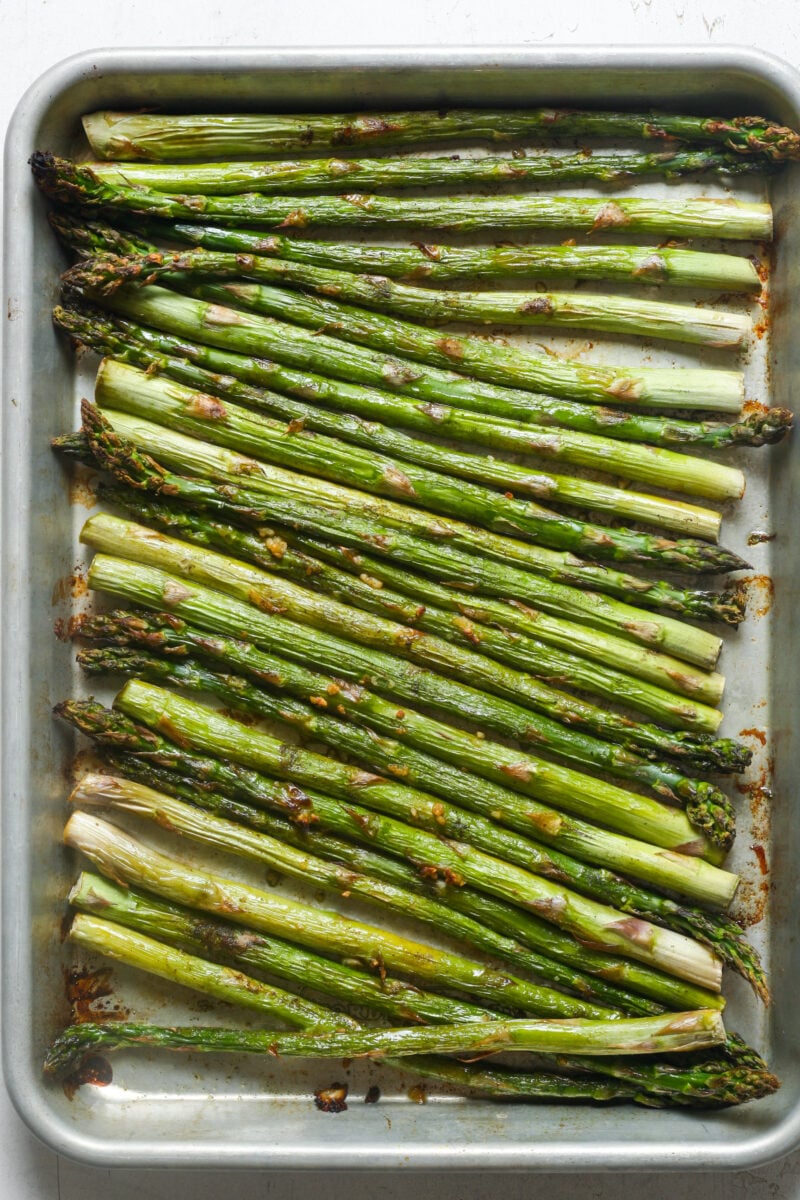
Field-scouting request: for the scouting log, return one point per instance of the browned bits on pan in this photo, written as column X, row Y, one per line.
column 332, row 1099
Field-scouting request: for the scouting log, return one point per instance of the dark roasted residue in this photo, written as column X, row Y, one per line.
column 332, row 1099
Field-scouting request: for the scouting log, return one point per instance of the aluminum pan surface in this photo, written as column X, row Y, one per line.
column 226, row 1115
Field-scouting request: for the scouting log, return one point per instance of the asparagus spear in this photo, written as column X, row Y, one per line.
column 418, row 771
column 245, row 948
column 220, row 735
column 584, row 795
column 365, row 634
column 400, row 1000
column 486, row 361
column 122, row 857
column 468, row 619
column 452, row 549
column 307, row 561
column 457, row 592
column 165, row 401
column 508, row 935
column 160, row 633
column 74, row 183
column 108, row 336
column 649, row 1084
column 415, row 171
column 421, row 262
column 715, row 821
column 642, row 1035
column 231, row 790
column 714, row 1082
column 433, row 540
column 104, row 936
column 329, row 931
column 189, row 821
column 294, row 346
column 166, row 137
column 567, row 310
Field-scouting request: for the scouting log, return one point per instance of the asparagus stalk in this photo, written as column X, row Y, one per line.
column 649, row 1084
column 467, row 620
column 711, row 1083
column 414, row 171
column 642, row 1035
column 458, row 586
column 172, row 924
column 327, row 931
column 87, row 238
column 107, row 336
column 418, row 771
column 122, row 857
column 165, row 401
column 714, row 1082
column 486, row 361
column 421, row 262
column 433, row 541
column 245, row 948
column 564, row 310
column 166, row 633
column 584, row 795
column 221, row 834
column 508, row 935
column 75, row 183
column 153, row 707
column 231, row 791
column 451, row 549
column 102, row 935
column 376, row 642
column 292, row 345
column 307, row 561
column 520, row 940
column 167, row 137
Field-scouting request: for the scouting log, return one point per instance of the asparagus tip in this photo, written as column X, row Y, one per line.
column 765, row 426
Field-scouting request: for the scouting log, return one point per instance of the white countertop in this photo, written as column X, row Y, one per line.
column 37, row 33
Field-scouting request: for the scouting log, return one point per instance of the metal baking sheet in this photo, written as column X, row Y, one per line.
column 204, row 1111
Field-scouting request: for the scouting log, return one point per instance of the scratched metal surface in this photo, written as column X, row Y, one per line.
column 162, row 1111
